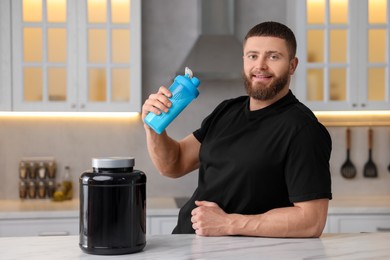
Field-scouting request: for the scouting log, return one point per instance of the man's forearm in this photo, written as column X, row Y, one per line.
column 274, row 224
column 305, row 219
column 164, row 152
column 281, row 222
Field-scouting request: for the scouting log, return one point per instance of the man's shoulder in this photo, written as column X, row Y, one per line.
column 300, row 117
column 301, row 113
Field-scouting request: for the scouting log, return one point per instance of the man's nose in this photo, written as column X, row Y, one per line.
column 261, row 63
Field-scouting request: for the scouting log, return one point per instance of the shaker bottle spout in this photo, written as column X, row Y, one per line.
column 188, row 73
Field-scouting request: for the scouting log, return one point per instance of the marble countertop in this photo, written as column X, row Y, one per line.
column 329, row 246
column 165, row 206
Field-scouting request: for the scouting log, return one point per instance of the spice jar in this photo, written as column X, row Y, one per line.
column 41, row 170
column 32, row 189
column 50, row 188
column 41, row 189
column 32, row 170
column 23, row 170
column 22, row 189
column 51, row 169
column 112, row 207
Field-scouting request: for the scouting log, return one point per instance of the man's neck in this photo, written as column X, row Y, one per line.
column 255, row 104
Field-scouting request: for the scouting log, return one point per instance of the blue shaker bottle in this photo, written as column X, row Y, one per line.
column 184, row 90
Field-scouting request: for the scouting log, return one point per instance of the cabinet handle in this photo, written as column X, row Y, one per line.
column 54, row 233
column 354, row 105
column 381, row 229
column 363, row 105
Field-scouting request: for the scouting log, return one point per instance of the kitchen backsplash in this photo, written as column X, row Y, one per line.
column 361, row 185
column 74, row 142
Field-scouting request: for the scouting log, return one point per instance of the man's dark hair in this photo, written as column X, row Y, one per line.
column 275, row 29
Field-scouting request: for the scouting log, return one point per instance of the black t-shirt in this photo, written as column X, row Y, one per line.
column 255, row 161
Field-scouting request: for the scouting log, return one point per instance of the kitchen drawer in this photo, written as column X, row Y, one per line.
column 359, row 223
column 39, row 227
column 326, row 228
column 161, row 225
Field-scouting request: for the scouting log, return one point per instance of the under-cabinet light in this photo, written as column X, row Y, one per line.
column 354, row 118
column 353, row 113
column 71, row 114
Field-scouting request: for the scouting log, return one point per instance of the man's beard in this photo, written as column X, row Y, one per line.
column 262, row 92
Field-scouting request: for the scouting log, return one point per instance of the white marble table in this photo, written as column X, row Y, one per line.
column 329, row 246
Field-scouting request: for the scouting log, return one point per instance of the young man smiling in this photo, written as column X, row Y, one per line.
column 263, row 159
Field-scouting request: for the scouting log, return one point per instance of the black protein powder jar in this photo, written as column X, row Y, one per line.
column 112, row 207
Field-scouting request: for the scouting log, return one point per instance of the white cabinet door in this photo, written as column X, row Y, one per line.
column 39, row 227
column 75, row 55
column 359, row 223
column 43, row 50
column 5, row 56
column 343, row 47
column 161, row 225
column 109, row 56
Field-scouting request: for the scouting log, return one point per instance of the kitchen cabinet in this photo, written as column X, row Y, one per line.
column 71, row 55
column 50, row 226
column 44, row 217
column 69, row 225
column 326, row 228
column 344, row 54
column 161, row 225
column 357, row 223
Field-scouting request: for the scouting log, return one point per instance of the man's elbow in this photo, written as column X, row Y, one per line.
column 171, row 174
column 315, row 231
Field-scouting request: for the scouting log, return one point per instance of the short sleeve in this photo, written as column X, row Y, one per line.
column 307, row 171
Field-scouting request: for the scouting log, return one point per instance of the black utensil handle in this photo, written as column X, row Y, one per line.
column 348, row 132
column 370, row 138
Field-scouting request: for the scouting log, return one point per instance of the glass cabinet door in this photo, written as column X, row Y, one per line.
column 110, row 66
column 43, row 49
column 377, row 65
column 343, row 50
column 76, row 55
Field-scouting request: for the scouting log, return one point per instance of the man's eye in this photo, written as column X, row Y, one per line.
column 252, row 57
column 274, row 57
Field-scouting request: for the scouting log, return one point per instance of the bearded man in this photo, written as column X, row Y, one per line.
column 263, row 159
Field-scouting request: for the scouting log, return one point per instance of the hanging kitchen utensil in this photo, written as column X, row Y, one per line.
column 348, row 170
column 388, row 168
column 370, row 170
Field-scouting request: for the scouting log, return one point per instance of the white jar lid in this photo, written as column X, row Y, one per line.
column 113, row 162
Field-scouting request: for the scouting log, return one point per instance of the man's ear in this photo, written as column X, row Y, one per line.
column 293, row 65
